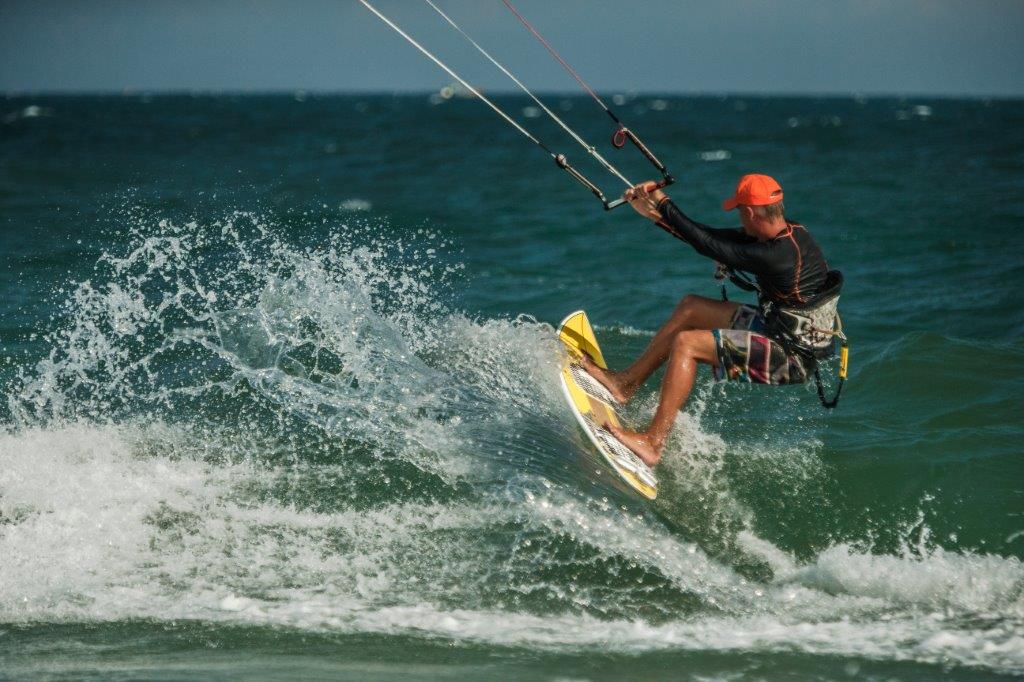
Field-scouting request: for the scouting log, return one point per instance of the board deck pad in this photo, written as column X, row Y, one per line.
column 593, row 406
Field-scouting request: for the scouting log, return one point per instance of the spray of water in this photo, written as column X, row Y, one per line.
column 232, row 428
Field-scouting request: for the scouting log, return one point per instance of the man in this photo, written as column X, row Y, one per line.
column 774, row 343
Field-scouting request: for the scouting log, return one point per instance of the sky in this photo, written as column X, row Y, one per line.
column 899, row 47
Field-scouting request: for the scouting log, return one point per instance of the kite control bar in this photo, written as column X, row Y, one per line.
column 619, row 139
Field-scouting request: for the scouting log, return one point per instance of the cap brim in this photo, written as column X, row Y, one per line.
column 730, row 203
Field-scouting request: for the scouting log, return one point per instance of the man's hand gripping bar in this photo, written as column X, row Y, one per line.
column 619, row 138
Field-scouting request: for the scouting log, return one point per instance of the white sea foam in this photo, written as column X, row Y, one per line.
column 940, row 580
column 780, row 562
column 98, row 528
column 624, row 329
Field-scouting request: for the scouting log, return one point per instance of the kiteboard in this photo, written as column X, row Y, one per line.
column 594, row 406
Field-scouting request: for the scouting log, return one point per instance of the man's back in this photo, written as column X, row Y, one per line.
column 790, row 268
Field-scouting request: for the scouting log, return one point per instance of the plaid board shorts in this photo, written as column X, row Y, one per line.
column 746, row 354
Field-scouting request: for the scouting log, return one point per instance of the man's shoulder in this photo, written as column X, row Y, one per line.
column 803, row 234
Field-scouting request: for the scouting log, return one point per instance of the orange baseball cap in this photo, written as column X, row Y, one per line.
column 754, row 190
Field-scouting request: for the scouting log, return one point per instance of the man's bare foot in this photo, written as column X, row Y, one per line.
column 639, row 443
column 608, row 379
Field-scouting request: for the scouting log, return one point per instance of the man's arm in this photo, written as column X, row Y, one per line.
column 727, row 246
column 681, row 226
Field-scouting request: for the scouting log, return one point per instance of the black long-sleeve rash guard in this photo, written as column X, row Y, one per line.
column 790, row 268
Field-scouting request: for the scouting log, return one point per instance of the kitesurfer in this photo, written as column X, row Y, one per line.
column 775, row 342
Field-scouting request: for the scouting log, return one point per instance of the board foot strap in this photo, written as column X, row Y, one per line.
column 624, row 457
column 590, row 385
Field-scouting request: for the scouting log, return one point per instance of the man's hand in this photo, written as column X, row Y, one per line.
column 645, row 198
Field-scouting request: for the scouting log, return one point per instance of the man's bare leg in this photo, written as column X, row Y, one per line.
column 692, row 312
column 687, row 349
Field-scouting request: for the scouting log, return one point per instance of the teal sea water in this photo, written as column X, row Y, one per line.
column 279, row 396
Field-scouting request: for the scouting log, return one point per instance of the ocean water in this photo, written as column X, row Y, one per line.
column 279, row 396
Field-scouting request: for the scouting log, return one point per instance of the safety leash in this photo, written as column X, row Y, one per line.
column 844, row 358
column 844, row 355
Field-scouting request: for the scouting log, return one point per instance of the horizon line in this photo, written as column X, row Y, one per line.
column 497, row 92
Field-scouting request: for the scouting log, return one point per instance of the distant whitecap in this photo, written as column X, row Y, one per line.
column 716, row 155
column 355, row 204
column 31, row 111
column 531, row 112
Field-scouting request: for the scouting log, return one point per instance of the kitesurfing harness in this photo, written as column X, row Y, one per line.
column 621, row 135
column 809, row 332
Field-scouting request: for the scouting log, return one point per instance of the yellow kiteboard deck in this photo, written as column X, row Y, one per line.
column 594, row 406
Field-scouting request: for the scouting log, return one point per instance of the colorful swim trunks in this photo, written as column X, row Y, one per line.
column 746, row 354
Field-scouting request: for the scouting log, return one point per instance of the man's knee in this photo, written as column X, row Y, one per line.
column 684, row 341
column 698, row 344
column 698, row 312
column 687, row 305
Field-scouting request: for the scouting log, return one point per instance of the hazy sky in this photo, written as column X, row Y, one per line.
column 972, row 47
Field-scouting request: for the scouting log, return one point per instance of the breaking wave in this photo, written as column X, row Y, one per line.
column 232, row 428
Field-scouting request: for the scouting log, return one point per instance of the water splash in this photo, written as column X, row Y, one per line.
column 231, row 428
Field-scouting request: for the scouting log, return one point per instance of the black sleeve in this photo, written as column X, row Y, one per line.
column 727, row 246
